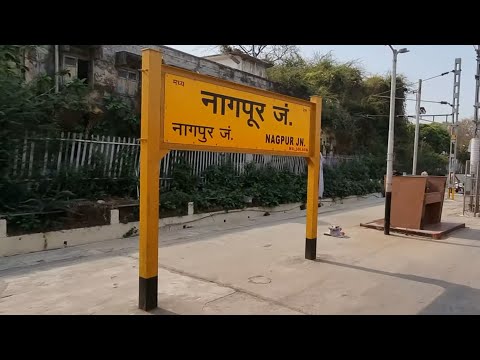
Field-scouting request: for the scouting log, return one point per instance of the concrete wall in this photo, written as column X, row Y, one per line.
column 40, row 61
column 254, row 68
column 226, row 60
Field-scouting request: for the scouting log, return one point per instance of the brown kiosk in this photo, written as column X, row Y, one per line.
column 417, row 201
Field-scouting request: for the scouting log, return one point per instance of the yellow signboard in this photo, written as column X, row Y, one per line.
column 206, row 113
column 187, row 111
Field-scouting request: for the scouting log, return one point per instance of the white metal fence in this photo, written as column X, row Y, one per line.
column 38, row 156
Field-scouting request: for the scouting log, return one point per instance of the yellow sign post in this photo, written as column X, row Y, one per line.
column 188, row 111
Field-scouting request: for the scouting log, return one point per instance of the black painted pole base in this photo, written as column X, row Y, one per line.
column 310, row 249
column 148, row 288
column 388, row 207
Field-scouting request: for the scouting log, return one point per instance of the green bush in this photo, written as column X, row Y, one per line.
column 175, row 201
column 223, row 188
column 270, row 187
column 355, row 177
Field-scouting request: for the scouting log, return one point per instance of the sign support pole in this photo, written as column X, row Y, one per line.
column 150, row 156
column 312, row 182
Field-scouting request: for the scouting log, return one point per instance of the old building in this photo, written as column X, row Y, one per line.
column 115, row 69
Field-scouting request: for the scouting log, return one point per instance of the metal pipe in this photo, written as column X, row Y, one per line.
column 477, row 189
column 465, row 187
column 57, row 69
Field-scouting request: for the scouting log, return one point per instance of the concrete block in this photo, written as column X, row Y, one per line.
column 3, row 228
column 114, row 217
column 190, row 208
column 23, row 244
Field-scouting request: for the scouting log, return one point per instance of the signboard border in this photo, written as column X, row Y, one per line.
column 166, row 69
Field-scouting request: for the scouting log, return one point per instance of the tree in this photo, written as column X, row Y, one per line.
column 353, row 106
column 431, row 161
column 32, row 106
column 437, row 136
column 465, row 131
column 274, row 54
column 12, row 59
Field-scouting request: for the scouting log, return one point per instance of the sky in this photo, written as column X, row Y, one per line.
column 422, row 62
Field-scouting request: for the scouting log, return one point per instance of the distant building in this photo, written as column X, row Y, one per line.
column 237, row 59
column 328, row 142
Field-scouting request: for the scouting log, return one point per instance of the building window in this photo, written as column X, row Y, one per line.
column 75, row 68
column 127, row 82
column 70, row 67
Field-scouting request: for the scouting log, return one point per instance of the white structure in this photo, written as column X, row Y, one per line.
column 474, row 148
column 237, row 59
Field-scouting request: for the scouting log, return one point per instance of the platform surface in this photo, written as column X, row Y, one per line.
column 258, row 267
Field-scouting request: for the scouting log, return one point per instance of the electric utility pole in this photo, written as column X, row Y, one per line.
column 477, row 88
column 453, row 133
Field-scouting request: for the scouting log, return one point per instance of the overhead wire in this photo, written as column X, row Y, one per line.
column 414, row 83
column 399, row 98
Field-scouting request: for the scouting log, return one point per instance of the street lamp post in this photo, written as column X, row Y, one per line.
column 417, row 127
column 388, row 182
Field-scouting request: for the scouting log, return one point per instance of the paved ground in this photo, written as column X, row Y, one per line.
column 259, row 268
